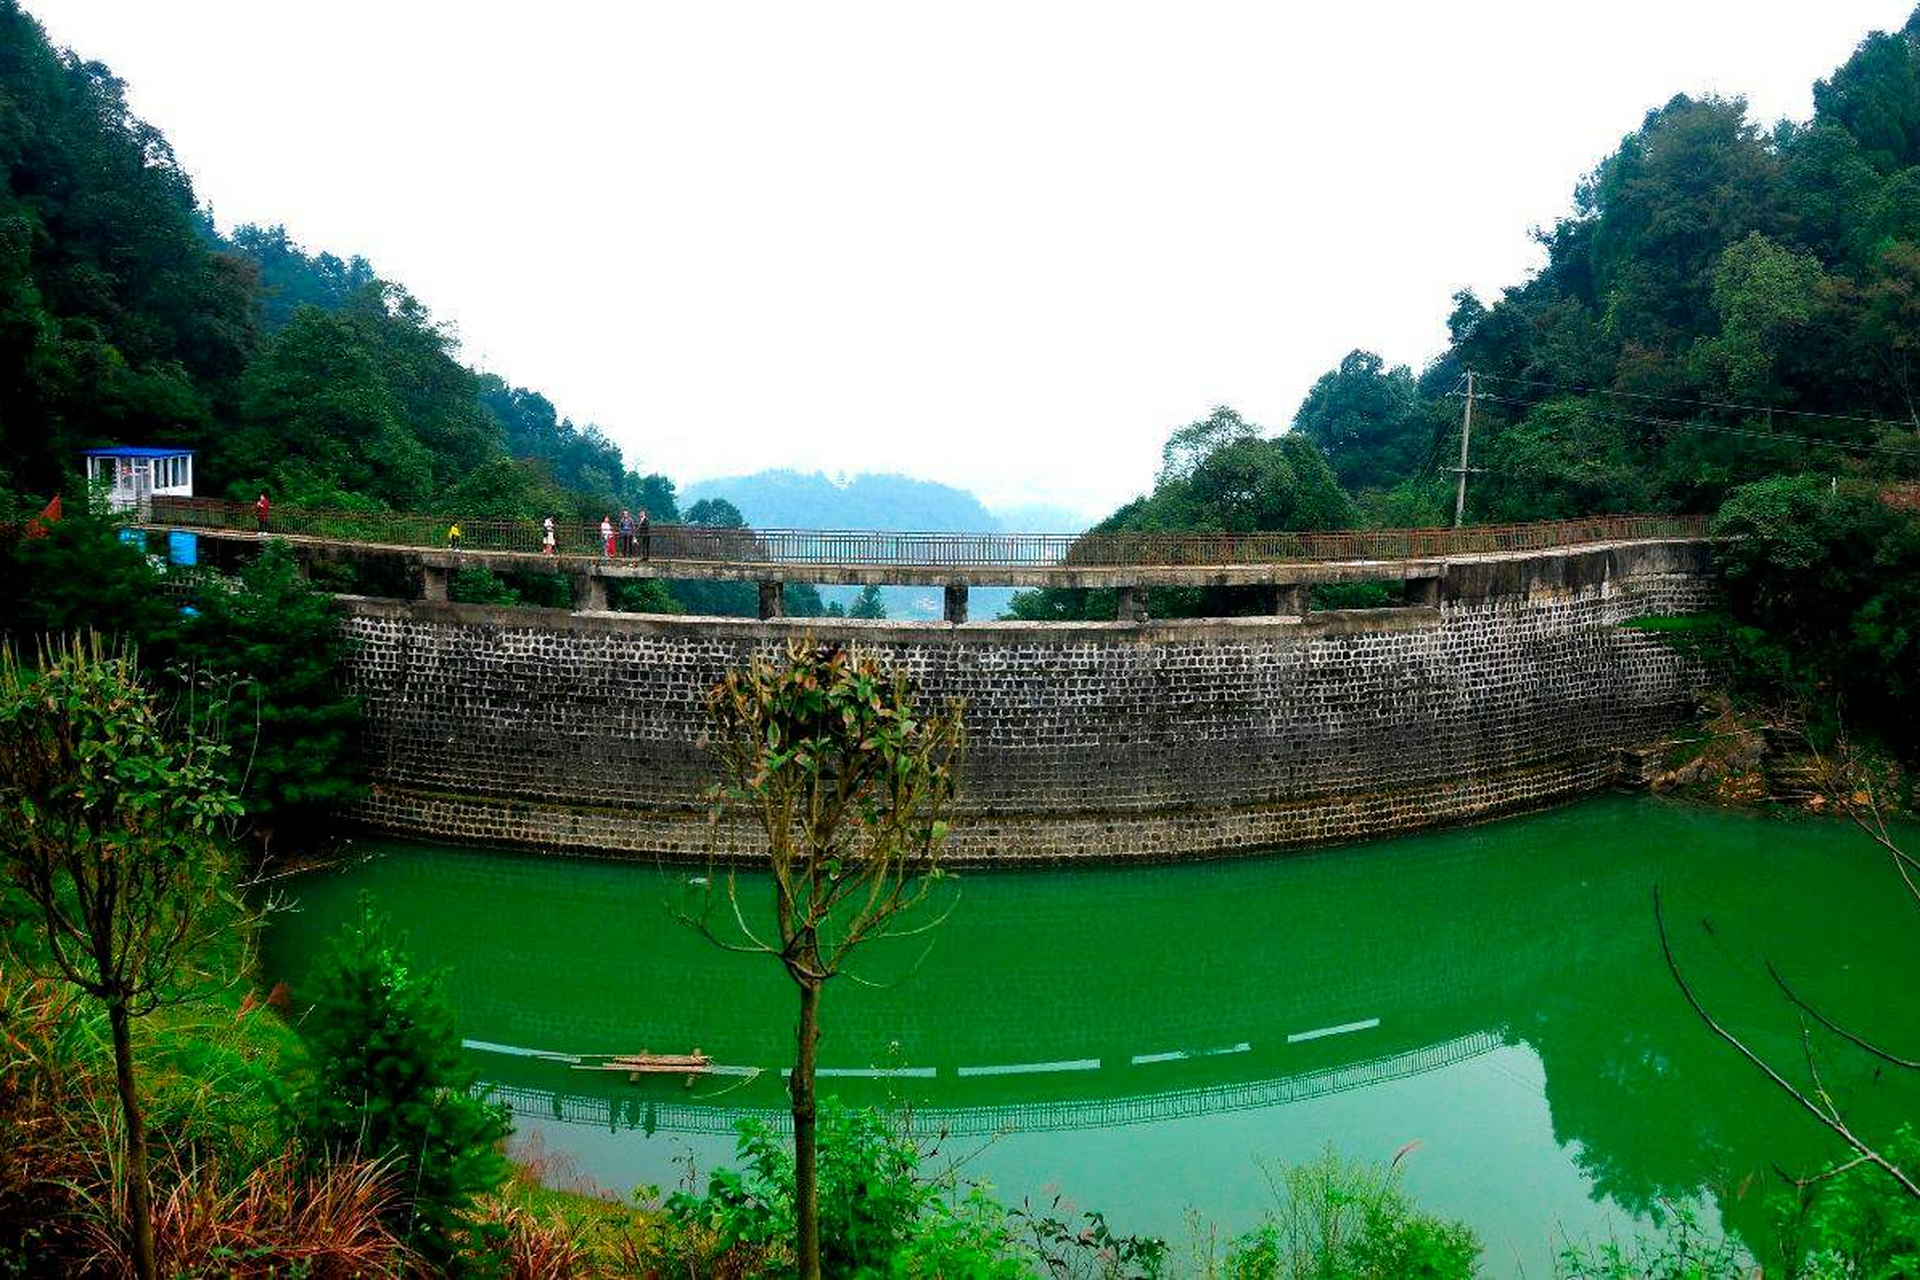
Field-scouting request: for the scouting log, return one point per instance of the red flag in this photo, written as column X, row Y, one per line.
column 37, row 527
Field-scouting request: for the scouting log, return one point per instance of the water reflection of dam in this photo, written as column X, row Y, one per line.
column 649, row 1108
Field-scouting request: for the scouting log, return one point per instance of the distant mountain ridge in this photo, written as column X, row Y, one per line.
column 787, row 499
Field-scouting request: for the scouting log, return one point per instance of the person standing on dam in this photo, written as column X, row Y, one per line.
column 606, row 535
column 646, row 535
column 626, row 532
column 546, row 536
column 261, row 509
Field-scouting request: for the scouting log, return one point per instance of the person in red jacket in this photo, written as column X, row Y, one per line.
column 260, row 509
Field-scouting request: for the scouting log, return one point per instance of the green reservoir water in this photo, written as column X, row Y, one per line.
column 1142, row 1038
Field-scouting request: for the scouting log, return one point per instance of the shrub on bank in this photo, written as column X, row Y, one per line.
column 880, row 1216
column 389, row 1084
column 1333, row 1219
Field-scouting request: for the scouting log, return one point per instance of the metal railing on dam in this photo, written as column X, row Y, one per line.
column 696, row 545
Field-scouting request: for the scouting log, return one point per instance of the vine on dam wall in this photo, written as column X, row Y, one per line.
column 1086, row 741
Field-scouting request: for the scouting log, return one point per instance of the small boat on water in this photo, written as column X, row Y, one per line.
column 648, row 1064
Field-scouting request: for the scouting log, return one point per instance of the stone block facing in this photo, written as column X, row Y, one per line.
column 1509, row 686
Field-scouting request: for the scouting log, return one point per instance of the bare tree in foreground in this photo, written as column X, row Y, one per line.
column 1846, row 786
column 114, row 828
column 851, row 785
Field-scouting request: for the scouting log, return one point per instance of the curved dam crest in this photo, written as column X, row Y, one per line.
column 1513, row 687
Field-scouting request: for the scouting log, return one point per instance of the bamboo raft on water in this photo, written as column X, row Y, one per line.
column 636, row 1065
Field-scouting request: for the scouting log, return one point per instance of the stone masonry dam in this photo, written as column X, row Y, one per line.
column 1504, row 681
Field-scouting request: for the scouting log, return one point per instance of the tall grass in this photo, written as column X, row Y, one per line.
column 279, row 1219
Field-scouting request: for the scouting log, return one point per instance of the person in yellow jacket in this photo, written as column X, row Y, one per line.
column 453, row 536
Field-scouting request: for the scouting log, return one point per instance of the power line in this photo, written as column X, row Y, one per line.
column 1767, row 410
column 1784, row 437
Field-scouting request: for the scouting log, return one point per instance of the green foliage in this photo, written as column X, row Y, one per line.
column 116, row 317
column 1823, row 577
column 1682, row 1252
column 1218, row 474
column 503, row 488
column 881, row 1217
column 1336, row 1220
column 125, row 318
column 647, row 595
column 220, row 1079
column 478, row 584
column 323, row 422
column 83, row 574
column 1564, row 458
column 1368, row 421
column 1734, row 282
column 270, row 641
column 291, row 278
column 291, row 724
column 112, row 818
column 1862, row 1223
column 716, row 513
column 389, row 1083
column 868, row 604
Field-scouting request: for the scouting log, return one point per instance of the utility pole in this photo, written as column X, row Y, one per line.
column 1466, row 434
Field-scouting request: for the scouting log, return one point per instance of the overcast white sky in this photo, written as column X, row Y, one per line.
column 1006, row 246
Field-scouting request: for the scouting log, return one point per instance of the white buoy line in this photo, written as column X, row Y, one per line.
column 929, row 1073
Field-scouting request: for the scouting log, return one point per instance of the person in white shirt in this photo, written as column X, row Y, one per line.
column 546, row 536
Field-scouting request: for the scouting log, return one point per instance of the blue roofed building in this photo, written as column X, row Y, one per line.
column 130, row 474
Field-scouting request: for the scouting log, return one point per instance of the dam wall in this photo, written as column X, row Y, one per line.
column 1511, row 684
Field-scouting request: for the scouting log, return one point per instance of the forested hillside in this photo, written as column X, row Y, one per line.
column 126, row 318
column 1728, row 300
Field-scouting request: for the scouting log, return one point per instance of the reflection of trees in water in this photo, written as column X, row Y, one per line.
column 1658, row 1109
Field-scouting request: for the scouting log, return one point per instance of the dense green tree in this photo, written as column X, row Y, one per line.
column 1765, row 297
column 581, row 461
column 86, row 572
column 291, row 278
column 1366, row 418
column 1831, row 573
column 801, row 600
column 291, row 722
column 868, row 604
column 1875, row 97
column 654, row 494
column 323, row 428
column 504, row 488
column 716, row 513
column 389, row 1083
column 1564, row 457
column 1217, row 474
column 477, row 584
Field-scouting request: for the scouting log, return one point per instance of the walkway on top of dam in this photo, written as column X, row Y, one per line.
column 886, row 558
